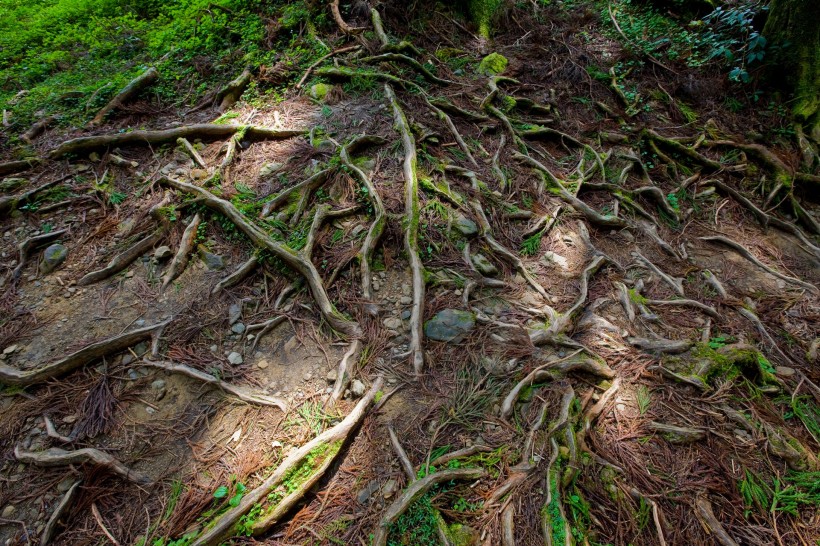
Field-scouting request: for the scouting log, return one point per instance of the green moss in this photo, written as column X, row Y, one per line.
column 493, row 64
column 552, row 513
column 319, row 91
column 482, row 12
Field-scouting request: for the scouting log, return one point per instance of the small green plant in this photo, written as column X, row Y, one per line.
column 643, row 398
column 531, row 245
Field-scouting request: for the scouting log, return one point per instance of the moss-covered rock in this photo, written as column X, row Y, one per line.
column 319, row 91
column 493, row 64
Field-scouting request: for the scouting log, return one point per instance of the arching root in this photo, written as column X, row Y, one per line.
column 180, row 260
column 60, row 457
column 128, row 92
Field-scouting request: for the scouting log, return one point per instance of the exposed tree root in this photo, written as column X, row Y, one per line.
column 22, row 378
column 683, row 150
column 442, row 116
column 230, row 94
column 50, row 530
column 342, row 374
column 10, row 202
column 180, row 260
column 60, row 457
column 322, row 59
column 123, row 259
column 416, row 490
column 264, row 328
column 51, row 432
column 28, row 246
column 674, row 282
column 11, row 167
column 746, row 253
column 242, row 393
column 677, row 435
column 241, row 273
column 38, row 128
column 343, row 26
column 191, row 151
column 661, row 345
column 711, row 311
column 411, row 229
column 308, row 185
column 127, row 93
column 295, row 260
column 409, row 61
column 327, row 444
column 703, row 509
column 205, row 131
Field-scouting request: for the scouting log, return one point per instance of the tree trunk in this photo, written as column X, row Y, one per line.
column 794, row 28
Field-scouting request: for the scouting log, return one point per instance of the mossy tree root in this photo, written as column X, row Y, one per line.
column 416, row 490
column 230, row 94
column 131, row 90
column 60, row 457
column 20, row 378
column 11, row 202
column 295, row 260
column 411, row 228
column 225, row 526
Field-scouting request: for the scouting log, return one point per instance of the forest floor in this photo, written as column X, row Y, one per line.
column 558, row 305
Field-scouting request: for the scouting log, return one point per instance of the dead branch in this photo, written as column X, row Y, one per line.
column 37, row 129
column 59, row 511
column 703, row 509
column 677, row 435
column 60, row 457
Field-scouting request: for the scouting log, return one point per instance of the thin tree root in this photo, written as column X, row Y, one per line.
column 191, row 151
column 416, row 490
column 37, row 129
column 343, row 373
column 180, row 260
column 703, row 509
column 241, row 273
column 409, row 61
column 327, row 443
column 308, row 185
column 746, row 253
column 711, row 311
column 293, row 259
column 677, row 435
column 674, row 282
column 131, row 90
column 60, row 457
column 50, row 530
column 242, row 393
column 265, row 328
column 15, row 377
column 209, row 131
column 453, row 130
column 51, row 432
column 411, row 229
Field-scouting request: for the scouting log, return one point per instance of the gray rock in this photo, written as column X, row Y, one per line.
column 449, row 325
column 234, row 313
column 392, row 323
column 158, row 385
column 784, row 371
column 331, row 376
column 163, row 253
column 65, row 484
column 212, row 261
column 53, row 257
column 8, row 511
column 406, row 314
column 235, row 358
column 464, row 225
column 238, row 328
column 364, row 495
column 389, row 488
column 406, row 300
column 483, row 265
column 357, row 388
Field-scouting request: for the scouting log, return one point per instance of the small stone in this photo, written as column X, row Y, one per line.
column 234, row 313
column 162, row 253
column 199, row 174
column 406, row 314
column 784, row 371
column 290, row 345
column 10, row 349
column 376, row 286
column 235, row 358
column 158, row 385
column 149, row 410
column 406, row 300
column 8, row 511
column 69, row 419
column 364, row 495
column 357, row 388
column 331, row 376
column 276, row 443
column 65, row 484
column 389, row 488
column 484, row 265
column 406, row 289
column 53, row 257
column 464, row 225
column 262, row 364
column 308, row 376
column 238, row 328
column 392, row 323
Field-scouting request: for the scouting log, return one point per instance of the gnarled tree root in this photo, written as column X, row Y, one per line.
column 60, row 457
column 13, row 376
column 211, row 131
column 242, row 393
column 240, row 274
column 330, row 441
column 293, row 259
column 127, row 93
column 180, row 260
column 411, row 229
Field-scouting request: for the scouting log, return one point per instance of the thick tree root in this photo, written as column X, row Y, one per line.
column 416, row 490
column 343, row 26
column 711, row 311
column 186, row 245
column 327, row 443
column 123, row 259
column 11, row 167
column 205, row 131
column 293, row 259
column 37, row 129
column 661, row 345
column 60, row 457
column 10, row 202
column 15, row 377
column 127, row 93
column 242, row 393
column 411, row 229
column 50, row 530
column 746, row 253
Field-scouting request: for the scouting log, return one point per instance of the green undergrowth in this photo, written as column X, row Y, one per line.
column 69, row 57
column 789, row 494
